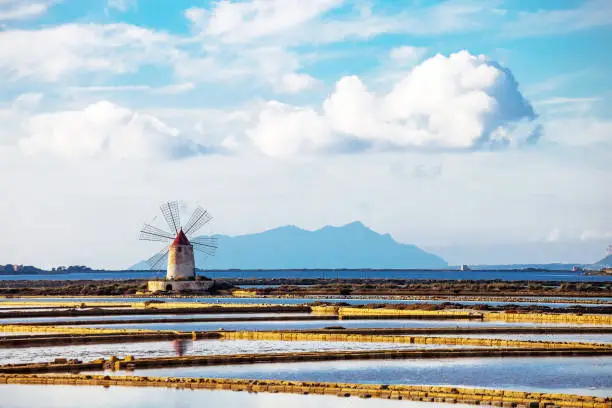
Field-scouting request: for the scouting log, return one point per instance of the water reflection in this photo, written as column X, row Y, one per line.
column 65, row 396
column 128, row 318
column 572, row 375
column 88, row 352
column 180, row 346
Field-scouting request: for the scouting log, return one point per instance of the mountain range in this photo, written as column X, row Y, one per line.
column 604, row 263
column 351, row 246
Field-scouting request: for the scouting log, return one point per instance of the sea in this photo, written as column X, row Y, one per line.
column 502, row 275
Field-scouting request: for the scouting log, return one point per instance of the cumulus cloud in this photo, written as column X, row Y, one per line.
column 104, row 129
column 457, row 102
column 284, row 130
column 294, row 82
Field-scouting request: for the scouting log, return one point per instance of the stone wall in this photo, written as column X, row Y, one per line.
column 453, row 341
column 179, row 286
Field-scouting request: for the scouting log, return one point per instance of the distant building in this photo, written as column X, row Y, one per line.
column 464, row 267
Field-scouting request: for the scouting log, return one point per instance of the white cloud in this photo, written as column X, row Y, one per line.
column 590, row 234
column 284, row 130
column 248, row 21
column 554, row 235
column 164, row 90
column 456, row 102
column 81, row 48
column 104, row 129
column 256, row 38
column 407, row 55
column 564, row 100
column 292, row 22
column 579, row 131
column 294, row 82
column 274, row 66
column 122, row 5
column 175, row 88
column 73, row 50
column 21, row 10
column 27, row 101
column 589, row 14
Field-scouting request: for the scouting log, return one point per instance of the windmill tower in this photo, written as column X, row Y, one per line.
column 181, row 262
column 179, row 249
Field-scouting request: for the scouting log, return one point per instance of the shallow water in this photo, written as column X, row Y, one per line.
column 66, row 396
column 147, row 316
column 306, row 300
column 88, row 352
column 573, row 375
column 317, row 324
column 10, row 334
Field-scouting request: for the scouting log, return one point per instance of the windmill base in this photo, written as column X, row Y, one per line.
column 179, row 286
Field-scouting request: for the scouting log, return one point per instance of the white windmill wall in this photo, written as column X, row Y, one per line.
column 181, row 263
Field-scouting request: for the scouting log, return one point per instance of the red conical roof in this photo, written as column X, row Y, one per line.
column 181, row 239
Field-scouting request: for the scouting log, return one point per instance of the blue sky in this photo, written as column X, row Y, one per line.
column 480, row 130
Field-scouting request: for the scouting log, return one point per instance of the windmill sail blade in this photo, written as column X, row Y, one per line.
column 198, row 219
column 151, row 233
column 207, row 245
column 205, row 241
column 170, row 211
column 156, row 260
column 205, row 249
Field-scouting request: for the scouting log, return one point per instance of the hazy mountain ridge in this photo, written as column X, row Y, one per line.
column 350, row 246
column 605, row 262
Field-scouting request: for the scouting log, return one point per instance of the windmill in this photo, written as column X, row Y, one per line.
column 179, row 242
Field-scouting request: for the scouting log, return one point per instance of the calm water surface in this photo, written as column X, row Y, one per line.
column 127, row 318
column 65, row 396
column 88, row 352
column 306, row 300
column 573, row 375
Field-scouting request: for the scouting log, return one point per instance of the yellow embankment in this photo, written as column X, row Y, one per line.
column 455, row 341
column 197, row 305
column 72, row 330
column 354, row 311
column 570, row 318
column 437, row 394
column 244, row 293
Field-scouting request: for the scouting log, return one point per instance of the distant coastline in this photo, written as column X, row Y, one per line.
column 503, row 268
